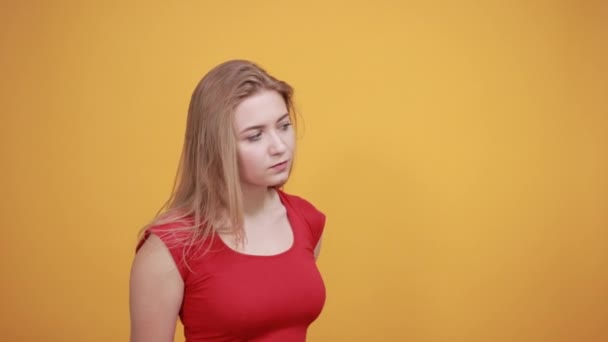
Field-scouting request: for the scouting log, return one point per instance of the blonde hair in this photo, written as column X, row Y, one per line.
column 206, row 197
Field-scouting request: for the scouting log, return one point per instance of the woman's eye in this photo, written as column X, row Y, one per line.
column 255, row 137
column 286, row 125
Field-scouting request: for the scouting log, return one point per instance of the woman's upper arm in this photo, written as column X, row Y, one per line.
column 317, row 250
column 155, row 293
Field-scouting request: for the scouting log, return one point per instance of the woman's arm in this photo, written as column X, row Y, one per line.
column 318, row 249
column 155, row 293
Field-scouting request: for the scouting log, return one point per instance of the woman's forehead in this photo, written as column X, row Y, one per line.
column 261, row 109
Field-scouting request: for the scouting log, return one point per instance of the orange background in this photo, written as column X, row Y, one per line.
column 459, row 149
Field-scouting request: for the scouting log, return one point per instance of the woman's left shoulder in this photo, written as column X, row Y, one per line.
column 299, row 202
column 313, row 216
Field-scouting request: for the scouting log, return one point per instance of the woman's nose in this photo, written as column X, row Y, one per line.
column 277, row 145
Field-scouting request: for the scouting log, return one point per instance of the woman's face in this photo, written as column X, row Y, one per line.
column 265, row 139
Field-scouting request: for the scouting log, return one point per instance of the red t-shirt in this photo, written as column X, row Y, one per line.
column 230, row 296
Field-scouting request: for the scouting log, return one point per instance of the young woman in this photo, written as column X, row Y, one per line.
column 232, row 255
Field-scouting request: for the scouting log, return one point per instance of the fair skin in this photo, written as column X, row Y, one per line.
column 266, row 144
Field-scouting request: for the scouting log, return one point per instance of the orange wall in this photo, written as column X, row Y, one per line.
column 459, row 151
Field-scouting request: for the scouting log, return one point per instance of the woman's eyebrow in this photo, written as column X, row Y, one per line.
column 262, row 126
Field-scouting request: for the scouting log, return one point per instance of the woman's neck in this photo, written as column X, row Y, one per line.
column 256, row 199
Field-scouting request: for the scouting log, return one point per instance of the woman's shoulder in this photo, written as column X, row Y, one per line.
column 171, row 230
column 174, row 234
column 297, row 201
column 314, row 217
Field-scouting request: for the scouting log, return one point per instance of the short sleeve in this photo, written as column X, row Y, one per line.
column 174, row 239
column 313, row 217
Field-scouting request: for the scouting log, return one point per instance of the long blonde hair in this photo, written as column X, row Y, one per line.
column 206, row 197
